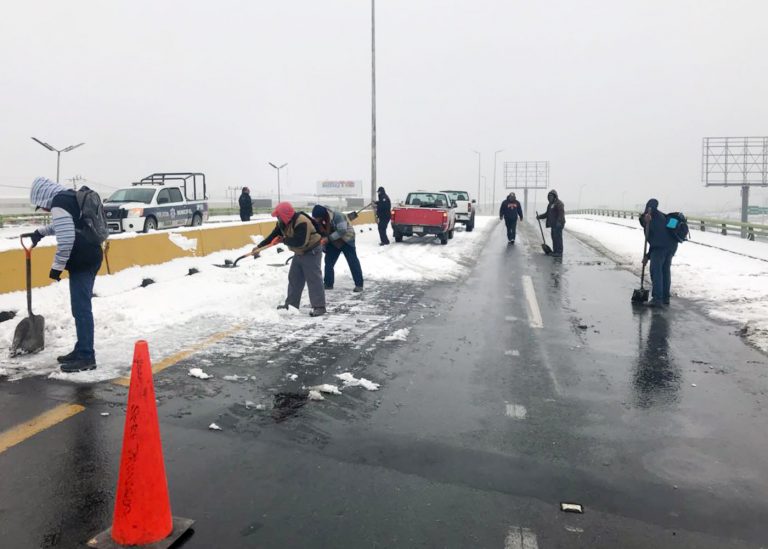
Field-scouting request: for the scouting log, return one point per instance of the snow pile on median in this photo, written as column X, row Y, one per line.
column 726, row 274
column 180, row 311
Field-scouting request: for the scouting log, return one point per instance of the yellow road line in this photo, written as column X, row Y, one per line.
column 181, row 355
column 28, row 429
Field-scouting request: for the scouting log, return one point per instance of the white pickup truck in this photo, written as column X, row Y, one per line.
column 159, row 201
column 465, row 208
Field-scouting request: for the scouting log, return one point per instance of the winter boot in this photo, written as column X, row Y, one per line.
column 317, row 311
column 69, row 357
column 358, row 289
column 79, row 365
column 283, row 306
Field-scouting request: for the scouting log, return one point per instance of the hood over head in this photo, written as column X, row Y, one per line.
column 552, row 193
column 652, row 205
column 43, row 191
column 511, row 196
column 284, row 212
column 381, row 190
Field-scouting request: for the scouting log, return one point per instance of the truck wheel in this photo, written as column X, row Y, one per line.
column 450, row 233
column 150, row 224
column 398, row 237
column 443, row 238
column 197, row 220
column 471, row 225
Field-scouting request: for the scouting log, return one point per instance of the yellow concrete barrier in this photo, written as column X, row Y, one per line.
column 144, row 249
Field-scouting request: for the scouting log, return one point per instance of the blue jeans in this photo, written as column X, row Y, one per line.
column 557, row 239
column 332, row 254
column 80, row 295
column 661, row 272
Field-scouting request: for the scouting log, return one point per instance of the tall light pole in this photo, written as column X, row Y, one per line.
column 278, row 168
column 373, row 100
column 58, row 153
column 493, row 193
column 479, row 161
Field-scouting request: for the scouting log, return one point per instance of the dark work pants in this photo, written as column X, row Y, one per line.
column 332, row 254
column 80, row 295
column 557, row 239
column 383, row 224
column 511, row 228
column 661, row 273
column 305, row 269
column 245, row 216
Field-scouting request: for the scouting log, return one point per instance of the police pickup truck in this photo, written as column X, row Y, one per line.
column 159, row 201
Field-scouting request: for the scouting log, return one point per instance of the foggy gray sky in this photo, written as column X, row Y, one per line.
column 616, row 94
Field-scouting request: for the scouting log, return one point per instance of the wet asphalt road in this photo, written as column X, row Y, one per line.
column 486, row 420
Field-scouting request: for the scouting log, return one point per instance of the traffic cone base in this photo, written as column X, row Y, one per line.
column 180, row 527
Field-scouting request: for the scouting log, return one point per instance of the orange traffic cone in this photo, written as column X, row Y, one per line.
column 142, row 508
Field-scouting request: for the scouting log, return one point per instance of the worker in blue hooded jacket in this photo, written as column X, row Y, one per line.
column 662, row 247
column 338, row 229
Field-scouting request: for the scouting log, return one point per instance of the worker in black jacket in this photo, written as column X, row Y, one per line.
column 383, row 215
column 661, row 249
column 246, row 205
column 510, row 211
column 555, row 216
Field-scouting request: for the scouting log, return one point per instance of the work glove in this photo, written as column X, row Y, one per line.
column 352, row 216
column 55, row 275
column 36, row 237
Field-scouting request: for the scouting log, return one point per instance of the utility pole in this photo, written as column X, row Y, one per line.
column 373, row 100
column 75, row 180
column 479, row 158
column 493, row 193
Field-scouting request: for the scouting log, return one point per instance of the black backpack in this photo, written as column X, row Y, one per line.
column 95, row 229
column 677, row 225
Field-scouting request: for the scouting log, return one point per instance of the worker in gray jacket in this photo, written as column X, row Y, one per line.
column 338, row 229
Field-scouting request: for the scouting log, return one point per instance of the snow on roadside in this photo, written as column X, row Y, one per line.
column 180, row 311
column 726, row 275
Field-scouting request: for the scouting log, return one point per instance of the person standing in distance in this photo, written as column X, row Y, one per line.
column 555, row 216
column 511, row 211
column 75, row 254
column 246, row 204
column 383, row 215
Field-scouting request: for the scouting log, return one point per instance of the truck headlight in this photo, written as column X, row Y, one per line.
column 136, row 212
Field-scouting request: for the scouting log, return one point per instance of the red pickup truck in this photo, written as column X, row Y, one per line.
column 424, row 213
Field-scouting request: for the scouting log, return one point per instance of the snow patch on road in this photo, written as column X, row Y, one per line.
column 398, row 335
column 351, row 381
column 198, row 373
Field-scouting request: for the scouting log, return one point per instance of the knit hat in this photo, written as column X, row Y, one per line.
column 320, row 212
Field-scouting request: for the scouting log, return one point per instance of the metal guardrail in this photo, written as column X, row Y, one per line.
column 750, row 231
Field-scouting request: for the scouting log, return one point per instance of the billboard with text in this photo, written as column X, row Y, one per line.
column 339, row 188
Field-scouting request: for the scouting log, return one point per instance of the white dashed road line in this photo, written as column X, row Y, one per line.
column 534, row 313
column 516, row 411
column 520, row 538
column 512, row 352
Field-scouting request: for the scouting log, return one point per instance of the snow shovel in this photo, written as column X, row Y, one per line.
column 641, row 295
column 229, row 264
column 30, row 333
column 544, row 245
column 281, row 264
column 354, row 215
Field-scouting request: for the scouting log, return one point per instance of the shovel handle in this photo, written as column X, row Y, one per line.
column 27, row 251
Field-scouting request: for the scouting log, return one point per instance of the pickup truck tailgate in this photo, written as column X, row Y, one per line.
column 418, row 216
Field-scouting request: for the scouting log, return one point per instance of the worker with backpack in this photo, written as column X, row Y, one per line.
column 663, row 232
column 80, row 226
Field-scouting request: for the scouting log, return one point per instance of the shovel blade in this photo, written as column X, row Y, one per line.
column 546, row 248
column 29, row 336
column 640, row 296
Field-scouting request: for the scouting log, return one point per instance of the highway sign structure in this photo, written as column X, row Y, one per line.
column 526, row 175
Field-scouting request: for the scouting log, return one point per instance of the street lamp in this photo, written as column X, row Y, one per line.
column 58, row 153
column 578, row 207
column 493, row 193
column 479, row 158
column 278, row 168
column 373, row 100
